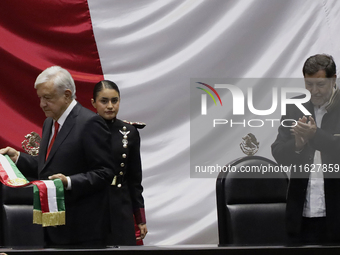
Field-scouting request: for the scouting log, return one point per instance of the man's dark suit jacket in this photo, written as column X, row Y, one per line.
column 82, row 152
column 327, row 141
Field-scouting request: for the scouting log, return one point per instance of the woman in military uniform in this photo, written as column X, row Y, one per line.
column 126, row 200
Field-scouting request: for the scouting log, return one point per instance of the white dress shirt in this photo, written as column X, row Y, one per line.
column 62, row 118
column 315, row 195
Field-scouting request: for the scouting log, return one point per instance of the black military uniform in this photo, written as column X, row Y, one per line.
column 127, row 184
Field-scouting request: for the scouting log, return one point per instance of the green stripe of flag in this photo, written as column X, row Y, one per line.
column 15, row 169
column 60, row 194
column 36, row 200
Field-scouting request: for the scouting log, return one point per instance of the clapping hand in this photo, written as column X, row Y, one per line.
column 304, row 130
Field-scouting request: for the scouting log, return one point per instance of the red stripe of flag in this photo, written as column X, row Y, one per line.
column 43, row 196
column 36, row 35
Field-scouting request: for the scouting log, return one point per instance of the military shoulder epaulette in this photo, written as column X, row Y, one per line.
column 136, row 124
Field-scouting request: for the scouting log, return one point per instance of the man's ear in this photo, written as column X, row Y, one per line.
column 68, row 94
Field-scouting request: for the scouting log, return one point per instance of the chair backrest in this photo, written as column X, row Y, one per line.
column 251, row 203
column 17, row 228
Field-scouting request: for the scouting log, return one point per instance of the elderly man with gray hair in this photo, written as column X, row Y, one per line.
column 75, row 148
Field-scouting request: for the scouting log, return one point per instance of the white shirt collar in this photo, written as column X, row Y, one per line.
column 63, row 117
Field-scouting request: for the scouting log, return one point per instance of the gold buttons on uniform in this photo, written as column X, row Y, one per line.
column 121, row 173
column 119, row 185
column 122, row 164
column 123, row 155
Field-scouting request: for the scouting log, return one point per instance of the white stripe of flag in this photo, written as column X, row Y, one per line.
column 52, row 196
column 7, row 167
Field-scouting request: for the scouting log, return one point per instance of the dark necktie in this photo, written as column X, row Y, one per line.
column 56, row 128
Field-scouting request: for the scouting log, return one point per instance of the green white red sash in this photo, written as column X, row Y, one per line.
column 48, row 199
column 48, row 203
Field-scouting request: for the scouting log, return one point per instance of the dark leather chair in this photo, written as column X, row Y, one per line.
column 251, row 206
column 18, row 229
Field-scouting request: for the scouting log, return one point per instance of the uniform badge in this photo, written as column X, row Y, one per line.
column 125, row 136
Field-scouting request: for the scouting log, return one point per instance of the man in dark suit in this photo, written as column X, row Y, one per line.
column 75, row 148
column 312, row 149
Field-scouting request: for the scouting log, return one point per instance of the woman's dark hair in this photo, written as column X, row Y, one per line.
column 320, row 62
column 104, row 84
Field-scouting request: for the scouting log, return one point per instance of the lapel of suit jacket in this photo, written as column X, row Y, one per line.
column 310, row 108
column 63, row 132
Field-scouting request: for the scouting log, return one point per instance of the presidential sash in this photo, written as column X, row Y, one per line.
column 48, row 196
